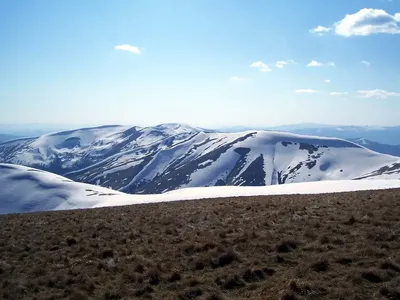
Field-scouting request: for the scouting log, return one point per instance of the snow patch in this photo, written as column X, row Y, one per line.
column 26, row 189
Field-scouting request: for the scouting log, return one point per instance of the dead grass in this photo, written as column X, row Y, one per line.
column 338, row 246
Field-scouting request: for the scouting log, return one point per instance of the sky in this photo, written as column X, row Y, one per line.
column 207, row 63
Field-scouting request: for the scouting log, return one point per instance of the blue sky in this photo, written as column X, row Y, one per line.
column 207, row 63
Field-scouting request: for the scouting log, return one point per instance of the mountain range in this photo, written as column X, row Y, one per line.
column 147, row 160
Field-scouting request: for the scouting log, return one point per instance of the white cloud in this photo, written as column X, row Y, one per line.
column 366, row 63
column 379, row 94
column 237, row 78
column 306, row 91
column 281, row 63
column 130, row 48
column 338, row 93
column 327, row 81
column 368, row 21
column 320, row 30
column 364, row 22
column 315, row 63
column 261, row 66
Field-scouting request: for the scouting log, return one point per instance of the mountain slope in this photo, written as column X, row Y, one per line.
column 380, row 139
column 171, row 156
column 378, row 147
column 382, row 135
column 386, row 172
column 26, row 189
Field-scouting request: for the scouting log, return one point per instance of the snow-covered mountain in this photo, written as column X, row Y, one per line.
column 171, row 156
column 25, row 189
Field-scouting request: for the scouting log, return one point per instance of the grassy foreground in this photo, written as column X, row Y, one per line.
column 337, row 246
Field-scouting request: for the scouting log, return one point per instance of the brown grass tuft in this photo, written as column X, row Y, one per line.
column 336, row 246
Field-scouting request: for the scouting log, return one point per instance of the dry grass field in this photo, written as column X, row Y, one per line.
column 337, row 246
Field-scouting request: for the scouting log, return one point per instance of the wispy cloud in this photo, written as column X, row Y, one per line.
column 338, row 93
column 315, row 63
column 237, row 78
column 262, row 67
column 320, row 30
column 281, row 63
column 379, row 94
column 306, row 91
column 129, row 48
column 366, row 63
column 327, row 81
column 365, row 22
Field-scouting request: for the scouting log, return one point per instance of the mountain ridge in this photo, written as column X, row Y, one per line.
column 389, row 135
column 378, row 147
column 172, row 156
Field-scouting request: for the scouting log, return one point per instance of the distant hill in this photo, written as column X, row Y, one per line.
column 8, row 137
column 379, row 134
column 381, row 148
column 382, row 135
